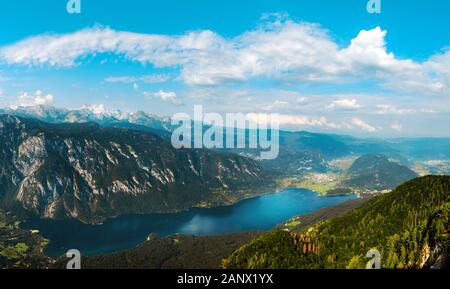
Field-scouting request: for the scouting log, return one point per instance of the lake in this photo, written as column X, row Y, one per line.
column 258, row 213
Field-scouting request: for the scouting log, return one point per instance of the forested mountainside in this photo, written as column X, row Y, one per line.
column 88, row 172
column 377, row 172
column 174, row 252
column 20, row 248
column 410, row 228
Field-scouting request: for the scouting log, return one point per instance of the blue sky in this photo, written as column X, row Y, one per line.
column 323, row 65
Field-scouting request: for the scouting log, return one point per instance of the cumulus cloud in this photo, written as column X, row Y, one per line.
column 363, row 125
column 280, row 50
column 308, row 121
column 345, row 104
column 36, row 98
column 167, row 96
column 297, row 120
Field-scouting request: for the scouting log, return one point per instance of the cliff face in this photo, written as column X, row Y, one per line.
column 87, row 172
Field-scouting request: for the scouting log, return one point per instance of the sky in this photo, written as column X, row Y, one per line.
column 323, row 65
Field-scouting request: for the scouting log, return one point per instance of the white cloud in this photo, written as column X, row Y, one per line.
column 295, row 120
column 345, row 104
column 121, row 79
column 282, row 49
column 167, row 96
column 135, row 86
column 397, row 126
column 392, row 109
column 303, row 120
column 37, row 98
column 363, row 125
column 302, row 100
column 433, row 77
column 274, row 105
column 151, row 78
column 155, row 78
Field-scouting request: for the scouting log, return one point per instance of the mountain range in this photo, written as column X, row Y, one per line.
column 89, row 172
column 326, row 146
column 93, row 163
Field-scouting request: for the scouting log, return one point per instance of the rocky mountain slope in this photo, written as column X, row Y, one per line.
column 88, row 172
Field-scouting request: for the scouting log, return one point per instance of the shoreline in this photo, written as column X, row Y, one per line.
column 148, row 233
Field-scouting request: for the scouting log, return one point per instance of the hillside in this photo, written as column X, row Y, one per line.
column 175, row 252
column 20, row 248
column 377, row 172
column 410, row 227
column 87, row 172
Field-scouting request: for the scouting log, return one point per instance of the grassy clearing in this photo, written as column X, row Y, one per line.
column 14, row 252
column 320, row 183
column 293, row 223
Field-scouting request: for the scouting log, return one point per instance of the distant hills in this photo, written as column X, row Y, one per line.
column 409, row 227
column 318, row 146
column 90, row 173
column 377, row 172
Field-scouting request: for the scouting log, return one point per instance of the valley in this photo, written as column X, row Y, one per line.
column 259, row 213
column 114, row 174
column 226, row 135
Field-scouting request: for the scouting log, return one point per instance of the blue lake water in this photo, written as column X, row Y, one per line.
column 258, row 213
